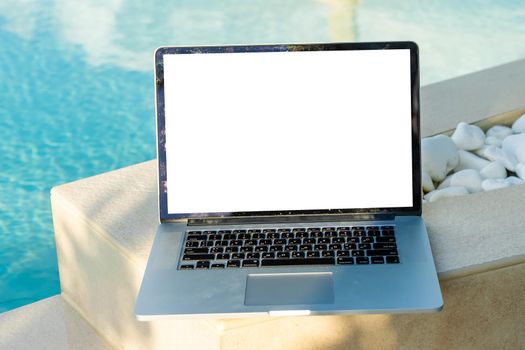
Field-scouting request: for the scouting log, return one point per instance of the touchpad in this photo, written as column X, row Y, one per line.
column 289, row 289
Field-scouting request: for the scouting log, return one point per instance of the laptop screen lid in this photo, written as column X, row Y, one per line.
column 272, row 130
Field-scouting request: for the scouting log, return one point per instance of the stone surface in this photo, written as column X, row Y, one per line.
column 439, row 156
column 451, row 191
column 469, row 160
column 514, row 181
column 520, row 170
column 494, row 170
column 47, row 324
column 468, row 137
column 492, row 140
column 513, row 142
column 499, row 131
column 520, row 154
column 426, row 182
column 468, row 178
column 494, row 184
column 519, row 125
column 496, row 154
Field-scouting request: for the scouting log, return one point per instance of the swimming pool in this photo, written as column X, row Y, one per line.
column 77, row 97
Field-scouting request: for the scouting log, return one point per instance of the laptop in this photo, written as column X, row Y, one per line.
column 289, row 183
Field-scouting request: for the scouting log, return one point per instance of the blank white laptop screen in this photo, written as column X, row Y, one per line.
column 279, row 131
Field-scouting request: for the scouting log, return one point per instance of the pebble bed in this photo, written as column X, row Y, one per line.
column 472, row 161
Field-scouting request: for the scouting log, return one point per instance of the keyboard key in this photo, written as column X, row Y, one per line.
column 283, row 255
column 304, row 247
column 279, row 241
column 359, row 233
column 231, row 249
column 392, row 260
column 233, row 263
column 338, row 240
column 335, row 247
column 313, row 254
column 215, row 237
column 345, row 261
column 378, row 260
column 198, row 257
column 307, row 261
column 265, row 242
column 323, row 240
column 250, row 263
column 253, row 255
column 294, row 241
column 290, row 248
column 301, row 234
column 299, row 229
column 276, row 248
column 223, row 256
column 273, row 235
column 237, row 256
column 362, row 260
column 313, row 229
column 236, row 243
column 320, row 247
column 221, row 243
column 287, row 235
column 328, row 254
column 203, row 264
column 224, row 232
column 259, row 236
column 343, row 228
column 316, row 234
column 373, row 234
column 261, row 248
column 209, row 232
column 244, row 235
column 343, row 253
column 268, row 255
column 390, row 239
column 230, row 236
column 387, row 233
column 194, row 232
column 196, row 251
column 197, row 238
column 309, row 241
column 367, row 240
column 384, row 245
column 192, row 244
column 216, row 250
column 324, row 229
column 358, row 253
column 206, row 243
column 330, row 234
column 364, row 246
column 250, row 242
column 297, row 255
column 372, row 227
column 353, row 240
column 217, row 266
column 349, row 246
column 186, row 267
column 382, row 252
column 344, row 234
column 254, row 231
column 239, row 231
column 247, row 249
column 284, row 230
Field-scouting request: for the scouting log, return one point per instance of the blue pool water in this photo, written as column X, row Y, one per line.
column 76, row 96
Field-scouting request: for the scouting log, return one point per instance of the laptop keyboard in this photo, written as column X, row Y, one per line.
column 269, row 247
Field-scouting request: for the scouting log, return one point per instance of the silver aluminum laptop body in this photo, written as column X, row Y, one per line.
column 411, row 285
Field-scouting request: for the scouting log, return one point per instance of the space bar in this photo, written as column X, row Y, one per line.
column 307, row 261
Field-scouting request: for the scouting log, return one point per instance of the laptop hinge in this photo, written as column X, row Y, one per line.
column 289, row 219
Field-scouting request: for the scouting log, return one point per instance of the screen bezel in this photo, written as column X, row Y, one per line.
column 415, row 209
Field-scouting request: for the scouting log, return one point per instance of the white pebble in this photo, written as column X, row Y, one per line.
column 514, row 181
column 494, row 184
column 468, row 137
column 520, row 154
column 469, row 160
column 468, row 178
column 497, row 154
column 439, row 155
column 493, row 140
column 519, row 124
column 426, row 182
column 494, row 170
column 499, row 131
column 513, row 142
column 446, row 192
column 520, row 170
column 445, row 183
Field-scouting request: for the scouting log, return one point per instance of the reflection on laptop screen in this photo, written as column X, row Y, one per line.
column 275, row 131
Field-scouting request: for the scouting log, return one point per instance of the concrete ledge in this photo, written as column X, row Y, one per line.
column 104, row 227
column 47, row 324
